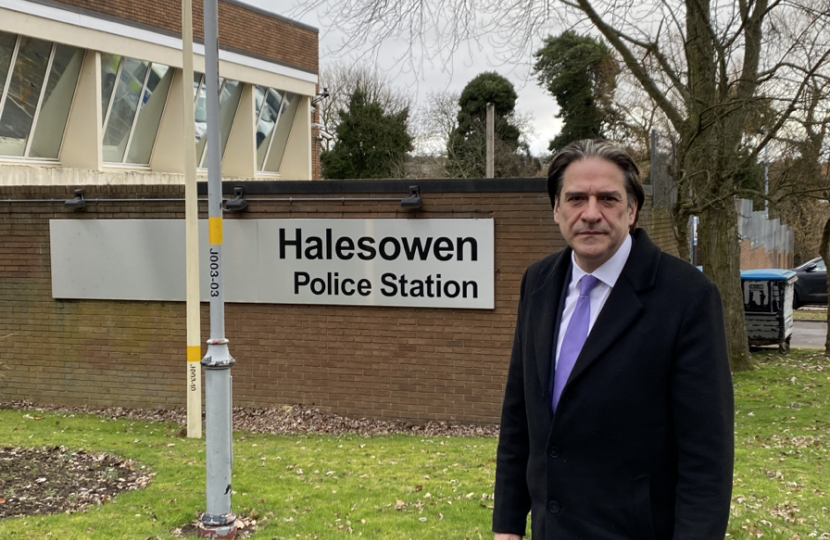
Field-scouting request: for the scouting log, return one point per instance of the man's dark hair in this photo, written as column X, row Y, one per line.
column 586, row 148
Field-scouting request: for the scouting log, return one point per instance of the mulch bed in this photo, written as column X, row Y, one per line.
column 286, row 419
column 52, row 480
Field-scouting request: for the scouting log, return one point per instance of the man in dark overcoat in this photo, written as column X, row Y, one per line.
column 618, row 412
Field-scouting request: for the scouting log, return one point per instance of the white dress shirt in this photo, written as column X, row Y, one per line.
column 607, row 274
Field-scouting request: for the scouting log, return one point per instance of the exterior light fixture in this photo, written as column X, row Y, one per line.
column 78, row 203
column 237, row 204
column 412, row 201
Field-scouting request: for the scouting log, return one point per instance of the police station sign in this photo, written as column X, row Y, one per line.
column 436, row 263
column 445, row 263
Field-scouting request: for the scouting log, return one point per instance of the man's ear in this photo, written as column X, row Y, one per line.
column 556, row 209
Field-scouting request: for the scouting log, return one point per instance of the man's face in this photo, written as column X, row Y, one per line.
column 592, row 211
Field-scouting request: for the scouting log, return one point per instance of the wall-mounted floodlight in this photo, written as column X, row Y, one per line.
column 321, row 95
column 237, row 204
column 412, row 201
column 78, row 203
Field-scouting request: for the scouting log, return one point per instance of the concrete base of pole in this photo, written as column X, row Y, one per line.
column 208, row 530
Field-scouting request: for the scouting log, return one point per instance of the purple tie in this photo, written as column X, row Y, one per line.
column 574, row 337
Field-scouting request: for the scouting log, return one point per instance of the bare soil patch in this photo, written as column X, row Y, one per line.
column 52, row 480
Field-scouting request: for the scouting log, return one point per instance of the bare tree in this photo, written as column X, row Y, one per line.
column 341, row 80
column 435, row 122
column 802, row 190
column 703, row 62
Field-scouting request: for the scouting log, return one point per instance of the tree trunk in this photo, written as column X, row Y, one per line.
column 824, row 251
column 720, row 250
column 680, row 225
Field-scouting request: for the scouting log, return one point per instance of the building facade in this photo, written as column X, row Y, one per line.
column 91, row 92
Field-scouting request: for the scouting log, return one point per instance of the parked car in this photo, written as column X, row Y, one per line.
column 811, row 287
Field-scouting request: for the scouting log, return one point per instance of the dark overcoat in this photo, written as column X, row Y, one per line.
column 641, row 446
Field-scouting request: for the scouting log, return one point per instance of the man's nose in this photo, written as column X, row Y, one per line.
column 592, row 212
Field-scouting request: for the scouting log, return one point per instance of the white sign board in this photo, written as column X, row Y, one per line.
column 444, row 263
column 382, row 262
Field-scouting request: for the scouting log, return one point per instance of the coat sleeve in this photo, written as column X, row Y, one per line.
column 512, row 498
column 703, row 412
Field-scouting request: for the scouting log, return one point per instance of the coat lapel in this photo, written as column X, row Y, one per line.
column 623, row 306
column 545, row 303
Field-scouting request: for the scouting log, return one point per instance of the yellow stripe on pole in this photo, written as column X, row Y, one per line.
column 215, row 228
column 194, row 353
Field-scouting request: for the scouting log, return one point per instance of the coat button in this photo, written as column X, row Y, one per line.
column 554, row 452
column 553, row 507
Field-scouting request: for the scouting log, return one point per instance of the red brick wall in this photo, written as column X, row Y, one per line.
column 758, row 257
column 246, row 30
column 388, row 362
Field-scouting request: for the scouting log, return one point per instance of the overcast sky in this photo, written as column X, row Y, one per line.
column 465, row 65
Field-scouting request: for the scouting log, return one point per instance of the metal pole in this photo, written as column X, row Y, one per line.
column 218, row 521
column 191, row 217
column 766, row 179
column 490, row 127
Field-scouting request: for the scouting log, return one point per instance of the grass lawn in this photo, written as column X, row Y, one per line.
column 813, row 315
column 402, row 487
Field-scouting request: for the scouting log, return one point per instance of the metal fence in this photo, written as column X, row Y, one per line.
column 753, row 225
column 762, row 231
column 664, row 192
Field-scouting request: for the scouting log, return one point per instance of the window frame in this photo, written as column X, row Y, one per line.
column 36, row 114
column 7, row 83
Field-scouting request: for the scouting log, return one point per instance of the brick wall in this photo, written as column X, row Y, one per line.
column 388, row 362
column 241, row 28
column 658, row 223
column 758, row 257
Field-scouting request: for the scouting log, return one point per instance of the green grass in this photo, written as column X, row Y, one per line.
column 810, row 315
column 402, row 487
column 782, row 448
column 301, row 486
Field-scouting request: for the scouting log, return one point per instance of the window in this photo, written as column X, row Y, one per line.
column 37, row 84
column 135, row 93
column 60, row 89
column 230, row 92
column 200, row 116
column 275, row 110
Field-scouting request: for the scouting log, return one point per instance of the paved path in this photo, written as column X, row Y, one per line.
column 809, row 334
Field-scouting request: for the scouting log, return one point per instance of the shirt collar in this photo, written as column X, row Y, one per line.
column 610, row 270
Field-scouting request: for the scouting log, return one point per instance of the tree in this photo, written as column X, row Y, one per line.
column 466, row 147
column 581, row 73
column 802, row 191
column 341, row 80
column 703, row 63
column 435, row 123
column 370, row 143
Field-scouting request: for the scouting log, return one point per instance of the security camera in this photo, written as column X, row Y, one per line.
column 78, row 203
column 238, row 203
column 317, row 126
column 325, row 135
column 324, row 93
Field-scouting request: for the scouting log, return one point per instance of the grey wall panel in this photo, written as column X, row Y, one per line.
column 117, row 259
column 241, row 259
column 140, row 259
